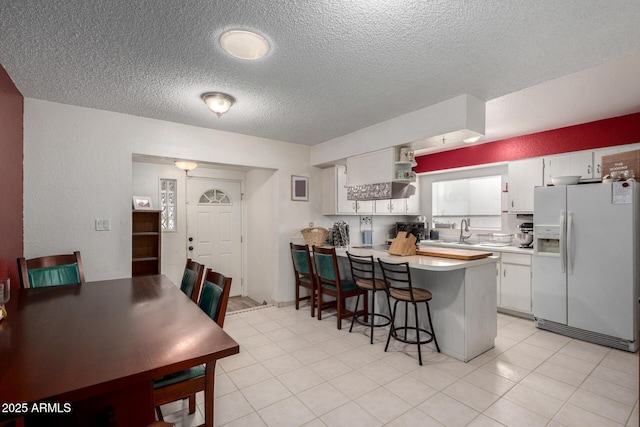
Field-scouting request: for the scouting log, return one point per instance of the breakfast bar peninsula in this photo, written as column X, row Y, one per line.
column 464, row 304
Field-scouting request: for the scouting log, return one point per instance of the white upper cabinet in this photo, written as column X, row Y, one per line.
column 371, row 168
column 573, row 164
column 599, row 154
column 379, row 166
column 524, row 176
column 334, row 192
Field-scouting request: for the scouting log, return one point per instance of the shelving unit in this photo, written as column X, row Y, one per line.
column 146, row 243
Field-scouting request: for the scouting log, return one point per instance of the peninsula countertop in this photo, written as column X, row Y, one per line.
column 421, row 262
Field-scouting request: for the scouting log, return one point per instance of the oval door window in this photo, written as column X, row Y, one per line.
column 215, row 197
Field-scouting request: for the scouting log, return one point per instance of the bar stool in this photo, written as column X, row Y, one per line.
column 363, row 273
column 398, row 280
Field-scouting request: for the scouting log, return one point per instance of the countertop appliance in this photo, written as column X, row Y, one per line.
column 585, row 276
column 525, row 235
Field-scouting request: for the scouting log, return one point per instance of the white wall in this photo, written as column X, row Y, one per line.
column 78, row 167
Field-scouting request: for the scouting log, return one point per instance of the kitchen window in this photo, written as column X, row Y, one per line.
column 479, row 199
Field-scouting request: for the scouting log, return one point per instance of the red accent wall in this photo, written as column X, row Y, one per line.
column 602, row 133
column 11, row 177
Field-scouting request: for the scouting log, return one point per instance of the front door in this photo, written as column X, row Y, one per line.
column 214, row 227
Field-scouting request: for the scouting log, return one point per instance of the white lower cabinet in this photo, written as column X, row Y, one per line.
column 515, row 283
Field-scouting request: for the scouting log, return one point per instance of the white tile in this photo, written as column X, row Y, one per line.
column 616, row 411
column 236, row 361
column 182, row 418
column 471, row 395
column 253, row 341
column 286, row 413
column 547, row 340
column 354, row 384
column 561, row 373
column 447, row 411
column 265, row 393
column 586, row 351
column 300, row 379
column 623, row 379
column 517, row 331
column 283, row 364
column 634, row 419
column 223, row 385
column 310, row 355
column 506, row 369
column 380, row 372
column 490, row 381
column 266, row 352
column 330, row 368
column 322, row 398
column 610, row 390
column 621, row 361
column 336, row 346
column 412, row 418
column 534, row 400
column 410, row 390
column 484, row 421
column 350, row 415
column 279, row 334
column 294, row 343
column 356, row 358
column 524, row 360
column 573, row 416
column 512, row 414
column 533, row 350
column 455, row 367
column 383, row 405
column 229, row 407
column 249, row 375
column 572, row 363
column 251, row 420
column 549, row 386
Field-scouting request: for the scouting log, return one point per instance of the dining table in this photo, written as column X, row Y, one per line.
column 88, row 354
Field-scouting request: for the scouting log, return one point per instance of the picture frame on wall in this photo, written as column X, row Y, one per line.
column 142, row 203
column 299, row 188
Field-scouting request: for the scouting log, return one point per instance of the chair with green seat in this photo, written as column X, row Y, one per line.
column 331, row 284
column 185, row 384
column 51, row 270
column 303, row 274
column 192, row 279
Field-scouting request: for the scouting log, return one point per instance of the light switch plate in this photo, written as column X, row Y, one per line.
column 103, row 225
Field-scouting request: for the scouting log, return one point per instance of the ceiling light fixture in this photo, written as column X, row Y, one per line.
column 186, row 166
column 471, row 140
column 244, row 44
column 218, row 102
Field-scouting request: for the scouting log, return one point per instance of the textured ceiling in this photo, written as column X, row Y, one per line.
column 336, row 66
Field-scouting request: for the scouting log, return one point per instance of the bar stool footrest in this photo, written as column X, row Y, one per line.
column 395, row 335
column 387, row 321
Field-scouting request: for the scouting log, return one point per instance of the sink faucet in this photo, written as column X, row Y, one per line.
column 464, row 226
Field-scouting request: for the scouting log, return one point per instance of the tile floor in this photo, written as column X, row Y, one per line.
column 294, row 370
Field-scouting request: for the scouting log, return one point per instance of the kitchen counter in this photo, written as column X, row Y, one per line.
column 477, row 247
column 463, row 307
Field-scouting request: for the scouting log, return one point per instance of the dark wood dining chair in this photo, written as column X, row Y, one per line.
column 192, row 279
column 330, row 283
column 51, row 270
column 304, row 275
column 185, row 384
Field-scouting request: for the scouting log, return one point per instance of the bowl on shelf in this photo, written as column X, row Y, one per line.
column 565, row 180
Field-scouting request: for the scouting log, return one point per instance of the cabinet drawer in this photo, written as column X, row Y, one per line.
column 509, row 258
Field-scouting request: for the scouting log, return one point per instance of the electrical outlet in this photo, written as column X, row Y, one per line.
column 365, row 220
column 103, row 225
column 310, row 224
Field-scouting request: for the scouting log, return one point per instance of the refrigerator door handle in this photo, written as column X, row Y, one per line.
column 563, row 254
column 570, row 242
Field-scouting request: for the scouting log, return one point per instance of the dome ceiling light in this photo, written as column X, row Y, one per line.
column 244, row 44
column 218, row 102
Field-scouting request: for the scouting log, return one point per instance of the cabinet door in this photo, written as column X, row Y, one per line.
column 582, row 164
column 524, row 176
column 364, row 207
column 343, row 205
column 413, row 202
column 515, row 287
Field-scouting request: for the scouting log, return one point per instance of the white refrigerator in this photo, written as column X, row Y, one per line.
column 585, row 267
